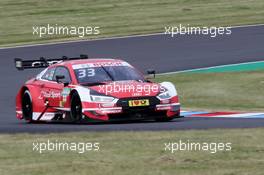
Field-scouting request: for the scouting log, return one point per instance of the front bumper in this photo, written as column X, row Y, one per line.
column 133, row 113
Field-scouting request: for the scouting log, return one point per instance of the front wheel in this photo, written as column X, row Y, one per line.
column 76, row 107
column 27, row 107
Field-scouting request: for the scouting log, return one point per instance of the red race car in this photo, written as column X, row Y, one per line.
column 80, row 89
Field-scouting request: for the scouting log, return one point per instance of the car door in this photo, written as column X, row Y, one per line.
column 45, row 83
column 52, row 89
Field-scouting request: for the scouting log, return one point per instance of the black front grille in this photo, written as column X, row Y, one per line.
column 139, row 112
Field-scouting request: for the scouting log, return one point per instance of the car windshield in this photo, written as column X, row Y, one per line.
column 93, row 75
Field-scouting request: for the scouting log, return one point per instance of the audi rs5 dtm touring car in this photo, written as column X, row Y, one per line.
column 79, row 89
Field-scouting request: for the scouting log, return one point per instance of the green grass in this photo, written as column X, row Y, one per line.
column 118, row 18
column 133, row 153
column 220, row 91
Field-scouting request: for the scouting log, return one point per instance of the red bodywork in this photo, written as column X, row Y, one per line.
column 52, row 100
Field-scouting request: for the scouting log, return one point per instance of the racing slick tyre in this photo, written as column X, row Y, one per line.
column 27, row 107
column 76, row 107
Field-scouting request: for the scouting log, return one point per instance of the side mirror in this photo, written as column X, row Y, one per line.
column 151, row 72
column 59, row 78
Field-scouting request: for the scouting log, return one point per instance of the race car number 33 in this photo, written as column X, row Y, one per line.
column 133, row 103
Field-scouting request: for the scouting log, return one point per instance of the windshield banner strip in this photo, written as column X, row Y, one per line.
column 100, row 64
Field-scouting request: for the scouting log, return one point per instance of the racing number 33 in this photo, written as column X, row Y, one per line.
column 82, row 73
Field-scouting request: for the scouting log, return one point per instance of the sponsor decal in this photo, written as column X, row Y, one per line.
column 41, row 63
column 99, row 64
column 137, row 94
column 134, row 103
column 50, row 94
column 65, row 92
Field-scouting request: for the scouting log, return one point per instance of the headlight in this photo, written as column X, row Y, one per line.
column 98, row 97
column 164, row 94
column 106, row 99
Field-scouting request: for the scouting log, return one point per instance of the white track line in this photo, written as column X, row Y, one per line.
column 212, row 67
column 109, row 38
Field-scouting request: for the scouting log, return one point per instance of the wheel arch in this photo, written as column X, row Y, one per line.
column 84, row 93
column 37, row 103
column 19, row 97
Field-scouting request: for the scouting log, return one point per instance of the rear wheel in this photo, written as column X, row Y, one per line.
column 76, row 107
column 27, row 108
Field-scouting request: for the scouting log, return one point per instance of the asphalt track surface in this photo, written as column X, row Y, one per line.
column 161, row 52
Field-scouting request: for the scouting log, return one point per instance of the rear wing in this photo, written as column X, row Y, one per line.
column 42, row 62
